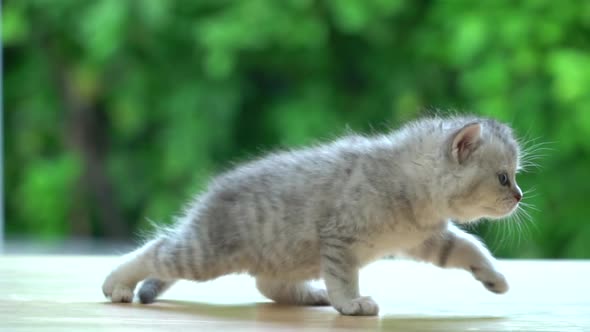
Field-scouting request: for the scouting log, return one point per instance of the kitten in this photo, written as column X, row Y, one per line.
column 326, row 211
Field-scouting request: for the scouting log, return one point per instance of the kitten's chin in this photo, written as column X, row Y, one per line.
column 486, row 212
column 495, row 214
column 512, row 209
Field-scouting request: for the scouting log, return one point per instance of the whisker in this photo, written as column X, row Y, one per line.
column 530, row 190
column 511, row 233
column 528, row 218
column 526, row 229
column 525, row 212
column 529, row 206
column 530, row 195
column 532, row 152
column 534, row 224
column 514, row 221
column 501, row 235
column 520, row 228
column 515, row 230
column 534, row 143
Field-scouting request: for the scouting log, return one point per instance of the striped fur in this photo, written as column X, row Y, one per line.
column 325, row 211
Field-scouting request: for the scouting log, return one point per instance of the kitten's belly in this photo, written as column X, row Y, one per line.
column 385, row 244
column 289, row 272
column 301, row 262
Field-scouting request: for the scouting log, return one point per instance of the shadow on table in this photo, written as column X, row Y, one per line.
column 323, row 317
column 444, row 323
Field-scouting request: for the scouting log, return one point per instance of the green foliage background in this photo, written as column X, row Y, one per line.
column 117, row 111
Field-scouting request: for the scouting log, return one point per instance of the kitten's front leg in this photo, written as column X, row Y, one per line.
column 457, row 249
column 340, row 273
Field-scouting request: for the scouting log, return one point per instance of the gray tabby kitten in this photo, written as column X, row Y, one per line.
column 326, row 211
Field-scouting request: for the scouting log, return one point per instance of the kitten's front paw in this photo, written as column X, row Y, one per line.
column 116, row 291
column 493, row 280
column 362, row 306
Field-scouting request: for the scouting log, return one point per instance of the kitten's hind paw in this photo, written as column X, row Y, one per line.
column 152, row 288
column 122, row 294
column 116, row 291
column 362, row 306
column 317, row 297
column 119, row 293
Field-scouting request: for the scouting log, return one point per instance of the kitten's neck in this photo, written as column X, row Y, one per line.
column 421, row 168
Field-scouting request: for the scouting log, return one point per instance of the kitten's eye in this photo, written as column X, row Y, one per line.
column 503, row 178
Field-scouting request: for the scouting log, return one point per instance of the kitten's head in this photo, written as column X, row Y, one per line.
column 483, row 157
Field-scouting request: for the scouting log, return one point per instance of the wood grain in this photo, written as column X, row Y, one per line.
column 62, row 293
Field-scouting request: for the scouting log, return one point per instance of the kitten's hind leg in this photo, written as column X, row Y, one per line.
column 296, row 293
column 120, row 284
column 152, row 288
column 165, row 258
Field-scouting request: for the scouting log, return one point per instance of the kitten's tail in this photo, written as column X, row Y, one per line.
column 152, row 288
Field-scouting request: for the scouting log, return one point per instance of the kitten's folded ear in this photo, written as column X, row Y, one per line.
column 465, row 141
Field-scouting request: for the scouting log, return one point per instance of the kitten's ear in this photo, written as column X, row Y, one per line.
column 465, row 141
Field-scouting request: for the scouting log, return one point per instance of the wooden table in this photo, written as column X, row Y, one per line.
column 62, row 293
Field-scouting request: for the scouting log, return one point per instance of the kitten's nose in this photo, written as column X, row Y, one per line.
column 517, row 196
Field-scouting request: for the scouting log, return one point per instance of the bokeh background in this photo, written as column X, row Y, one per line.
column 116, row 112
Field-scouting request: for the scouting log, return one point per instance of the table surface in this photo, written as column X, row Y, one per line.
column 62, row 293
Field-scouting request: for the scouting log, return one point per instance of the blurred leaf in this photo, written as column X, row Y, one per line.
column 14, row 25
column 571, row 70
column 469, row 38
column 172, row 92
column 44, row 195
column 102, row 28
